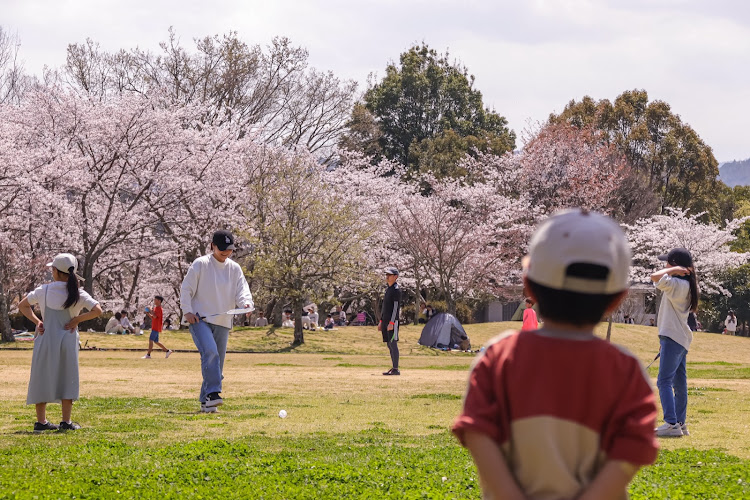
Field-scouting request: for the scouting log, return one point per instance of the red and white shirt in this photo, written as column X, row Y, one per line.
column 559, row 408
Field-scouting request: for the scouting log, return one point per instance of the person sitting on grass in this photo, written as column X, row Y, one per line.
column 288, row 322
column 127, row 326
column 330, row 323
column 341, row 316
column 54, row 362
column 114, row 325
column 558, row 412
column 261, row 321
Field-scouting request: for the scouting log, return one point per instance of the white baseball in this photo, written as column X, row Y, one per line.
column 282, row 414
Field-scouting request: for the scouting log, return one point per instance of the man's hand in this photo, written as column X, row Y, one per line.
column 390, row 327
column 40, row 328
column 192, row 318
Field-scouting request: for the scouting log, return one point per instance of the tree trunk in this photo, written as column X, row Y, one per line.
column 418, row 299
column 274, row 316
column 299, row 336
column 450, row 303
column 609, row 328
column 7, row 333
column 88, row 273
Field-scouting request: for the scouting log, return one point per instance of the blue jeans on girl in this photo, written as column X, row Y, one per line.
column 672, row 381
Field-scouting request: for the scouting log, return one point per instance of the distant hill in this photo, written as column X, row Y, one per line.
column 735, row 173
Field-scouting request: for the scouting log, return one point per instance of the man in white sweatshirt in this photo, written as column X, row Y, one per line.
column 213, row 284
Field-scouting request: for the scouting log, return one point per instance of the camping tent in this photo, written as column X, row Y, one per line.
column 444, row 330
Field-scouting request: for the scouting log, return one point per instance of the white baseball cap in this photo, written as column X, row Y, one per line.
column 579, row 251
column 63, row 262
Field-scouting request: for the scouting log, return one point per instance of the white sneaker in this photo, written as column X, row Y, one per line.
column 685, row 431
column 208, row 409
column 669, row 430
column 147, row 356
column 168, row 353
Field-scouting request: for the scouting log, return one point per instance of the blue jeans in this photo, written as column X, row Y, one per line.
column 211, row 341
column 672, row 381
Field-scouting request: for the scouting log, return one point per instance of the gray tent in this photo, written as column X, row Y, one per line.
column 444, row 330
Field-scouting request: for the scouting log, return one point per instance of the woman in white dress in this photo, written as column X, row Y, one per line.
column 54, row 362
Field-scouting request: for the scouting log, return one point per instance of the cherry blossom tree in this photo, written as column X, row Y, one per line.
column 464, row 238
column 563, row 166
column 708, row 243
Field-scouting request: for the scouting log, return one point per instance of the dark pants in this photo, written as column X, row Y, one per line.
column 393, row 348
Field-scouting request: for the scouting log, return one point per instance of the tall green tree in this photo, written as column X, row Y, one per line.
column 429, row 114
column 679, row 167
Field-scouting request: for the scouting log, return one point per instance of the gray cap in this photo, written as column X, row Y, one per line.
column 391, row 270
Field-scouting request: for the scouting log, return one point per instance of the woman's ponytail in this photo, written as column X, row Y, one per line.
column 694, row 293
column 72, row 287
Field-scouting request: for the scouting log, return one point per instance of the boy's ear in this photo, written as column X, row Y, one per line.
column 616, row 302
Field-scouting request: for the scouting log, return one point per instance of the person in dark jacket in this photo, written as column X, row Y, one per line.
column 388, row 325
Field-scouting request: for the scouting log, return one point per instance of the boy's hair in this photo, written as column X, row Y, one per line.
column 159, row 297
column 124, row 312
column 575, row 308
column 529, row 301
column 118, row 315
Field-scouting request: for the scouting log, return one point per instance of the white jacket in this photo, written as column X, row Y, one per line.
column 212, row 287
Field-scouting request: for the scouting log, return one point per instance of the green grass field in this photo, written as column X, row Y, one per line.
column 350, row 433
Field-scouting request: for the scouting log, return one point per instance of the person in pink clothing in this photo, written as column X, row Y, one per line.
column 529, row 317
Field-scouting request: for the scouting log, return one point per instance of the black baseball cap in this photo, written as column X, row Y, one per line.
column 678, row 256
column 391, row 270
column 223, row 240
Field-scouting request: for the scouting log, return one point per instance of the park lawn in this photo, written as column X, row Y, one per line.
column 350, row 431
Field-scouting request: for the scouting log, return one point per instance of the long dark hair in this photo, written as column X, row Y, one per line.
column 72, row 287
column 694, row 294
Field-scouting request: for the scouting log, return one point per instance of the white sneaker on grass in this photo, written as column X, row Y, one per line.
column 669, row 430
column 208, row 409
column 147, row 356
column 685, row 431
column 168, row 353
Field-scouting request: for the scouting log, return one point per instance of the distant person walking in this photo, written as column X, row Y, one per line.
column 54, row 362
column 679, row 286
column 388, row 325
column 213, row 285
column 157, row 318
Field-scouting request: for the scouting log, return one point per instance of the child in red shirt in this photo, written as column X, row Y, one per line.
column 156, row 316
column 529, row 317
column 558, row 412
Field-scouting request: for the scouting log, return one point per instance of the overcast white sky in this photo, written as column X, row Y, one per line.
column 529, row 57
